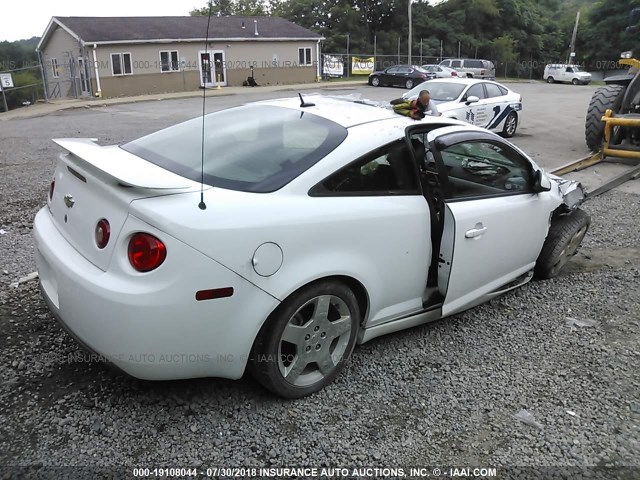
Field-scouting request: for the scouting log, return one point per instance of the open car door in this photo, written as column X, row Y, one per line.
column 492, row 222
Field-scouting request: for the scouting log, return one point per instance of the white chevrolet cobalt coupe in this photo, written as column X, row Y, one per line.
column 305, row 228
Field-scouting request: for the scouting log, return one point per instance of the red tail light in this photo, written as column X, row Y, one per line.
column 52, row 187
column 422, row 76
column 146, row 252
column 454, row 74
column 103, row 232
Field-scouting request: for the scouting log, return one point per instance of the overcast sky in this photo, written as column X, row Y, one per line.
column 28, row 18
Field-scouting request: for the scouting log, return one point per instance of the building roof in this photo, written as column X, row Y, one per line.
column 104, row 30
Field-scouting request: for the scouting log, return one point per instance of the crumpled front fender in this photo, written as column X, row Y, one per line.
column 571, row 192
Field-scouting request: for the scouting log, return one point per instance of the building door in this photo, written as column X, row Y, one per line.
column 213, row 70
column 85, row 80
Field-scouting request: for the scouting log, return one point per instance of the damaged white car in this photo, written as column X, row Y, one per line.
column 305, row 228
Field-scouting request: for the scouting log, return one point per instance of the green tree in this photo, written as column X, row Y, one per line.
column 233, row 7
column 605, row 35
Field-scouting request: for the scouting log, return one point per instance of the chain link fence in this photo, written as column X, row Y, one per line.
column 341, row 64
column 27, row 87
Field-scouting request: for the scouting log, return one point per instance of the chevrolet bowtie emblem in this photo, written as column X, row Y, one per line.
column 68, row 200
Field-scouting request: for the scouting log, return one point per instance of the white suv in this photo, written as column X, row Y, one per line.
column 566, row 73
column 472, row 67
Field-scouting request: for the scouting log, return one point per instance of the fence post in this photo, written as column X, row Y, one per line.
column 4, row 99
column 45, row 87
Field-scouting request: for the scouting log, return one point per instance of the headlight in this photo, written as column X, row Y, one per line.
column 627, row 54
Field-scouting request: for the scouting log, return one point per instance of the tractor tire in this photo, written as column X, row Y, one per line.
column 605, row 98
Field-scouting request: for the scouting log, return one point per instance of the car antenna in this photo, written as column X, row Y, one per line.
column 305, row 104
column 202, row 205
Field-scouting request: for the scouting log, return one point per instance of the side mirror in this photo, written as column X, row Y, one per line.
column 472, row 99
column 539, row 185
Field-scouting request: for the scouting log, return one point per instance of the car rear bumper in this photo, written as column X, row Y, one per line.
column 150, row 325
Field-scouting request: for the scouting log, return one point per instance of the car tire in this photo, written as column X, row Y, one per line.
column 565, row 235
column 575, row 81
column 550, row 80
column 510, row 125
column 409, row 84
column 302, row 348
column 605, row 98
column 375, row 81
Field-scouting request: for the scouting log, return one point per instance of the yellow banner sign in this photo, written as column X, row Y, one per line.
column 361, row 66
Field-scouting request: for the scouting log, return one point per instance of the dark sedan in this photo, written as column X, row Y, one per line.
column 398, row 76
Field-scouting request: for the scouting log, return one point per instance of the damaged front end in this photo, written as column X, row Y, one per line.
column 572, row 193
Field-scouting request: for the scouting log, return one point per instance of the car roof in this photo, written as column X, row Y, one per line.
column 347, row 112
column 462, row 81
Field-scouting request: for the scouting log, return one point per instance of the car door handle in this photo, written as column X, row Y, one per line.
column 475, row 232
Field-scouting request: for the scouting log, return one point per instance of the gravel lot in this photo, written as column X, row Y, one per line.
column 442, row 394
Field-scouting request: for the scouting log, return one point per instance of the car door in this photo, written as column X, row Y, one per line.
column 378, row 196
column 403, row 74
column 476, row 113
column 389, row 76
column 494, row 224
column 499, row 106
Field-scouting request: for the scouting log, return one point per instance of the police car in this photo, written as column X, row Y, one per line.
column 483, row 103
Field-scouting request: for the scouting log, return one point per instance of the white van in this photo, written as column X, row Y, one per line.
column 557, row 72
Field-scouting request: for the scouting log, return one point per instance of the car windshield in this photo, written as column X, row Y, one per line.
column 576, row 68
column 253, row 148
column 439, row 91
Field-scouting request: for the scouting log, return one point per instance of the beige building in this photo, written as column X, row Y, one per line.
column 121, row 56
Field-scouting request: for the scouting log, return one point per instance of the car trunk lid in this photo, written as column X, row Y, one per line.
column 93, row 183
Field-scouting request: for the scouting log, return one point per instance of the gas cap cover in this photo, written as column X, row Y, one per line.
column 267, row 259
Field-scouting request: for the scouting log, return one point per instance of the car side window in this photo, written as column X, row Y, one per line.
column 456, row 63
column 483, row 168
column 569, row 70
column 385, row 171
column 392, row 70
column 493, row 90
column 475, row 91
column 404, row 70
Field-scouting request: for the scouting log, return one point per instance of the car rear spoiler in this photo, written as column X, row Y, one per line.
column 128, row 169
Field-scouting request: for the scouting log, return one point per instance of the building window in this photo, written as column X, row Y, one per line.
column 169, row 61
column 54, row 68
column 121, row 64
column 304, row 56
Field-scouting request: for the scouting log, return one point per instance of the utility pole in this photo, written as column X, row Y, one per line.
column 398, row 49
column 420, row 51
column 572, row 47
column 410, row 35
column 348, row 62
column 375, row 51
